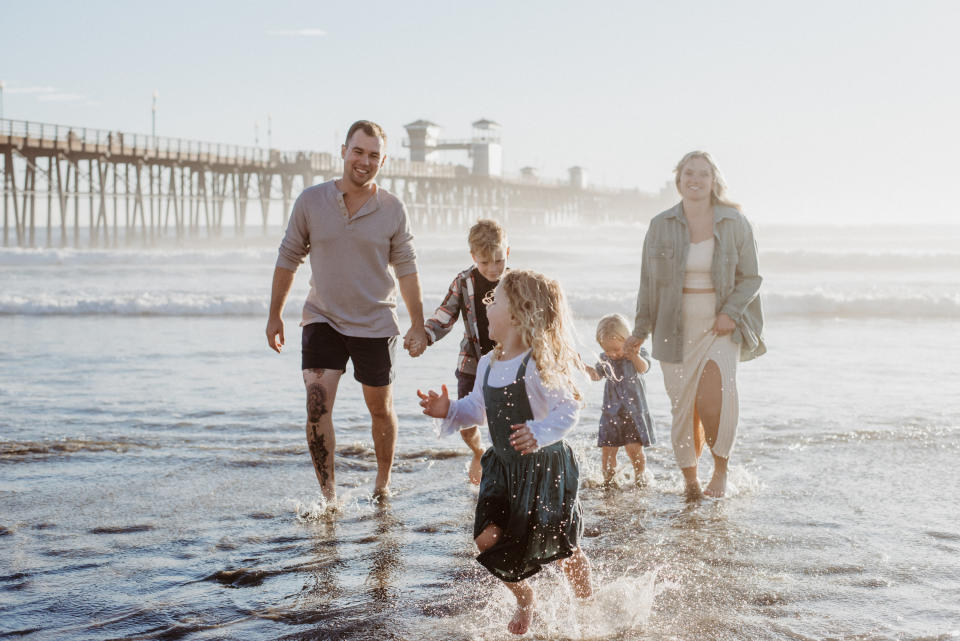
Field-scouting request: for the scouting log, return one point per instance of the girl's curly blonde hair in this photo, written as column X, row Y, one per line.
column 540, row 313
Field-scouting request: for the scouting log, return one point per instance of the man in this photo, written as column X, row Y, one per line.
column 351, row 230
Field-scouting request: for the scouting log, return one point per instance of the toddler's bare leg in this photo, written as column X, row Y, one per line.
column 608, row 457
column 639, row 460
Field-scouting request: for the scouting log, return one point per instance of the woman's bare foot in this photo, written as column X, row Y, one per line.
column 520, row 622
column 718, row 483
column 476, row 471
column 693, row 492
column 717, row 486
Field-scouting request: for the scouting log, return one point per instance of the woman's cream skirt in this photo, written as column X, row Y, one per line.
column 701, row 345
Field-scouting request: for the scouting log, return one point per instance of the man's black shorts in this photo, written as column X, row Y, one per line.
column 323, row 347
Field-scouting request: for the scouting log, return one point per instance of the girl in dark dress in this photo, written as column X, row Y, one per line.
column 528, row 513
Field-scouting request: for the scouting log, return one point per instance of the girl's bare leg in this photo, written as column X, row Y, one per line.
column 577, row 570
column 526, row 599
column 471, row 436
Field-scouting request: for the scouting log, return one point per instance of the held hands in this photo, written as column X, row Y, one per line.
column 631, row 346
column 275, row 333
column 522, row 439
column 433, row 404
column 415, row 341
column 723, row 325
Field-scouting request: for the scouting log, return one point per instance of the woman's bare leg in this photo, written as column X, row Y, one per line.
column 709, row 406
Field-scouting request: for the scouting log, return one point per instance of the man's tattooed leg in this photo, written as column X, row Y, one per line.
column 319, row 452
column 316, row 402
column 320, row 437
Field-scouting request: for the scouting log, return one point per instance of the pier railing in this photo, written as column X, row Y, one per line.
column 125, row 187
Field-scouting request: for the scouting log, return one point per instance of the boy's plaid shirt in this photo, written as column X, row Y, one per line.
column 459, row 300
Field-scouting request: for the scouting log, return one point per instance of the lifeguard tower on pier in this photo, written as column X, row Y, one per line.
column 484, row 149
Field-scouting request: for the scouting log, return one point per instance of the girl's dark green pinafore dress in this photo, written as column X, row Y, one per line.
column 532, row 497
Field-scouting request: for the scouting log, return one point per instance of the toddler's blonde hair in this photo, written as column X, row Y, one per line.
column 612, row 326
column 540, row 313
column 486, row 237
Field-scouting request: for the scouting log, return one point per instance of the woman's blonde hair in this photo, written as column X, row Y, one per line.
column 540, row 313
column 612, row 325
column 718, row 193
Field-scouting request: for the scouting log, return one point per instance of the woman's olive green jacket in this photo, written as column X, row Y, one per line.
column 735, row 274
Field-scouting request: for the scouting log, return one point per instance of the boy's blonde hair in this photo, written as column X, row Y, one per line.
column 540, row 313
column 486, row 237
column 612, row 326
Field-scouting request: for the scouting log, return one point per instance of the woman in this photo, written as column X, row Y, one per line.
column 698, row 297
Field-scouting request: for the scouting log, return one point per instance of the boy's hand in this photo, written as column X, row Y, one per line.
column 522, row 439
column 433, row 404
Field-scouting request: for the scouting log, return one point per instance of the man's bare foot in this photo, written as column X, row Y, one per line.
column 381, row 494
column 476, row 472
column 717, row 486
column 693, row 492
column 521, row 620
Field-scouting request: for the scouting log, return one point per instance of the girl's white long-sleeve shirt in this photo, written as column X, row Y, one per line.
column 555, row 411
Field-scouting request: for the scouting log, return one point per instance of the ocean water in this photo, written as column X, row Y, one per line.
column 155, row 481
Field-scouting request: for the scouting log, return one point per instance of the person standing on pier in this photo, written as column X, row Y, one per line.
column 353, row 231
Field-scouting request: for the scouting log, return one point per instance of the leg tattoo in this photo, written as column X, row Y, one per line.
column 318, row 450
column 316, row 402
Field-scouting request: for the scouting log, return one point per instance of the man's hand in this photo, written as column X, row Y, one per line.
column 415, row 340
column 275, row 333
column 632, row 345
column 522, row 439
column 433, row 404
column 723, row 325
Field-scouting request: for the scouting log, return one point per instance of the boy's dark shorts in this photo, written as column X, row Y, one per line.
column 323, row 347
column 465, row 384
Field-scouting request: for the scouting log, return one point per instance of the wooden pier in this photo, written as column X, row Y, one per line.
column 77, row 187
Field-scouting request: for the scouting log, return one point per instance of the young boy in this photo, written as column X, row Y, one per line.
column 489, row 250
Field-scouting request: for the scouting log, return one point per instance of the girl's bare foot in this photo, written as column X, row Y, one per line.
column 476, row 472
column 520, row 622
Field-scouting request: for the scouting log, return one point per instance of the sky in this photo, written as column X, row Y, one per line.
column 827, row 112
